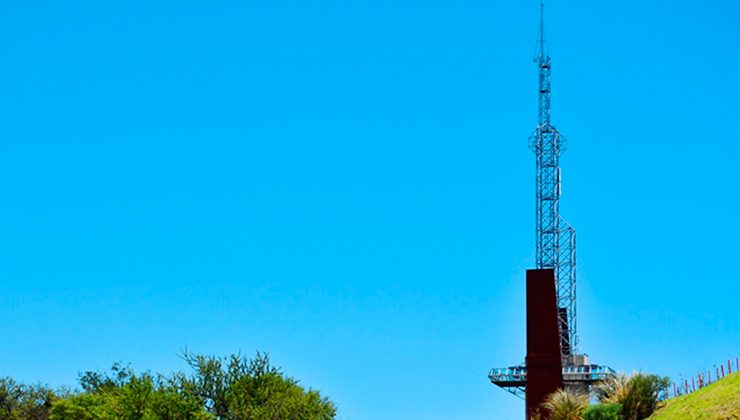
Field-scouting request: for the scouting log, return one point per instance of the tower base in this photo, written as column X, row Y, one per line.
column 544, row 361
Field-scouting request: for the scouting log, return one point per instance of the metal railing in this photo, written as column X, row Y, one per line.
column 581, row 373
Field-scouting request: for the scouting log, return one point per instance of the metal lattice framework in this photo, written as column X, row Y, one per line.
column 556, row 239
column 556, row 248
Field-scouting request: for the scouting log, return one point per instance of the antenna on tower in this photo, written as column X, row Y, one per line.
column 540, row 52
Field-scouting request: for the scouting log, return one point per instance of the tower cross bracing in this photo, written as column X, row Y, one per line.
column 555, row 237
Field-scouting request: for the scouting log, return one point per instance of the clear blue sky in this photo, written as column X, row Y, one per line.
column 347, row 186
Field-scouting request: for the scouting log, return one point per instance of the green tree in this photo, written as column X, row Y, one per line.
column 233, row 388
column 240, row 388
column 22, row 402
column 127, row 396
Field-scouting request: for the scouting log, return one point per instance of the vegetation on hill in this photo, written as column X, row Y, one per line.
column 621, row 397
column 720, row 400
column 637, row 394
column 234, row 388
column 635, row 397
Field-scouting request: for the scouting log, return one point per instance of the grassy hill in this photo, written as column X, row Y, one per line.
column 720, row 400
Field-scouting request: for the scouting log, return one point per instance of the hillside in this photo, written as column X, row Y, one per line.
column 720, row 400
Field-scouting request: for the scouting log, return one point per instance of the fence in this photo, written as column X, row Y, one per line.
column 700, row 380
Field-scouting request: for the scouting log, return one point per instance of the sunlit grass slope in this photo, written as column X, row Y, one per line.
column 720, row 400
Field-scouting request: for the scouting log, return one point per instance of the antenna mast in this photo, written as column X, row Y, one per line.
column 555, row 238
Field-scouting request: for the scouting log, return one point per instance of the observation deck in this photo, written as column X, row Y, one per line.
column 575, row 376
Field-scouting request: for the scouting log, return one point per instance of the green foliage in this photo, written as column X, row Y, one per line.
column 638, row 393
column 251, row 389
column 642, row 398
column 125, row 395
column 720, row 400
column 235, row 388
column 21, row 402
column 606, row 411
column 566, row 405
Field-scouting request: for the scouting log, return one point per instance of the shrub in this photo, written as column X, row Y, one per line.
column 638, row 393
column 565, row 405
column 608, row 411
column 612, row 389
column 642, row 397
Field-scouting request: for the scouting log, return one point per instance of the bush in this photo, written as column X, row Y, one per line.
column 603, row 412
column 642, row 398
column 565, row 405
column 638, row 393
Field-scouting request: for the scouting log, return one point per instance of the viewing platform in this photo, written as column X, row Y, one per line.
column 575, row 376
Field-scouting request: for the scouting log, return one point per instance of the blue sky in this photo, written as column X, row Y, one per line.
column 347, row 186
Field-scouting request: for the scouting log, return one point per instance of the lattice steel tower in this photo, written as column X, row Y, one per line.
column 556, row 247
column 556, row 239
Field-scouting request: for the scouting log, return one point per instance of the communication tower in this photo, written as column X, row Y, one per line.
column 555, row 237
column 555, row 242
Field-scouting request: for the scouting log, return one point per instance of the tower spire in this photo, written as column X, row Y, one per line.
column 543, row 62
column 541, row 53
